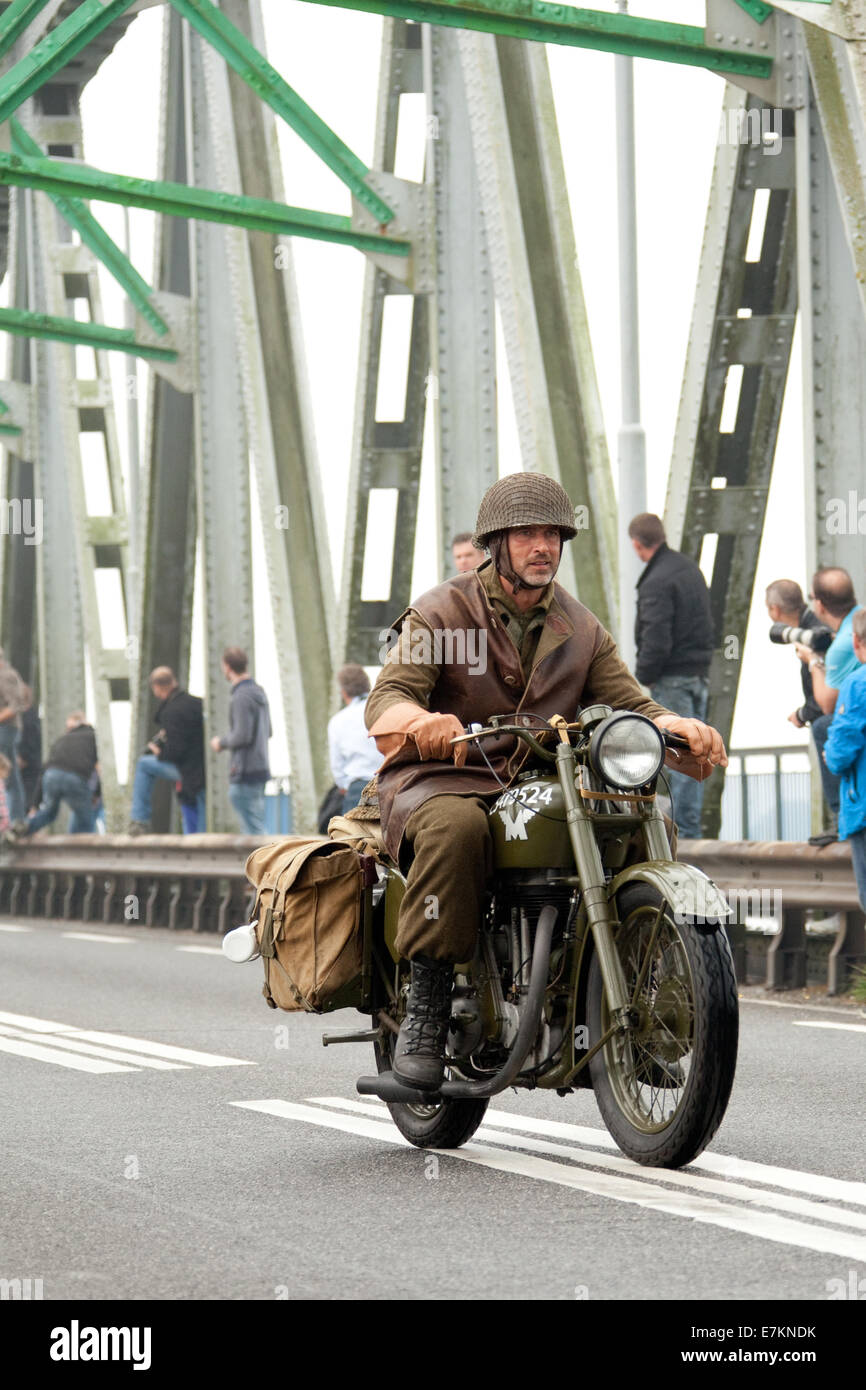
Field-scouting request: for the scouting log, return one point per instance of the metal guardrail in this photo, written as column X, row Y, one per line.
column 198, row 882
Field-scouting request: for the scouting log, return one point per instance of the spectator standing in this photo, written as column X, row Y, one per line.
column 353, row 755
column 674, row 642
column 845, row 754
column 249, row 731
column 11, row 704
column 175, row 754
column 30, row 750
column 72, row 760
column 833, row 603
column 4, row 808
column 466, row 555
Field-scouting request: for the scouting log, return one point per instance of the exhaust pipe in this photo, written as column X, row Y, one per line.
column 388, row 1088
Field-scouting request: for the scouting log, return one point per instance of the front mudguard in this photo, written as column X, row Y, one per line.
column 692, row 896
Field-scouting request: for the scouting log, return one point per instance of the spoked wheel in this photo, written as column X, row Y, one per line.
column 445, row 1124
column 662, row 1087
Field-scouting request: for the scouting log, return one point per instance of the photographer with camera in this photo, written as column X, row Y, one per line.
column 834, row 604
column 793, row 621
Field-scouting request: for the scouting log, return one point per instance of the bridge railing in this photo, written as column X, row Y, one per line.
column 197, row 882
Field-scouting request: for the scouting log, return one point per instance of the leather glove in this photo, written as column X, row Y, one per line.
column 430, row 734
column 706, row 749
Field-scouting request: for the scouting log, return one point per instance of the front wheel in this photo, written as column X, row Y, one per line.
column 662, row 1087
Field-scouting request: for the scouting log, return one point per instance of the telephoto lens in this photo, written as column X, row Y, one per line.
column 818, row 638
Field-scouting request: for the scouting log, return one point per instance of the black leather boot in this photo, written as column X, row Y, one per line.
column 419, row 1057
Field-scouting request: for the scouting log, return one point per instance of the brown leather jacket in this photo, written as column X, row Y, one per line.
column 575, row 664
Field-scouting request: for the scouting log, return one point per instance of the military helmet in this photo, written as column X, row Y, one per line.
column 524, row 499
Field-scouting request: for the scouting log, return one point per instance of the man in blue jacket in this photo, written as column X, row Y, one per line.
column 845, row 754
column 249, row 731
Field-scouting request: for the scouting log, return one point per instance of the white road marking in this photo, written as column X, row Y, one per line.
column 201, row 950
column 140, row 1049
column 4, row 927
column 785, row 1004
column 849, row 1027
column 753, row 1196
column 97, row 936
column 61, row 1059
column 621, row 1189
column 72, row 1044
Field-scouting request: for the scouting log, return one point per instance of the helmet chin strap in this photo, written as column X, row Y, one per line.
column 501, row 557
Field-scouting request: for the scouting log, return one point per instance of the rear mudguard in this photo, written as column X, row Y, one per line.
column 692, row 896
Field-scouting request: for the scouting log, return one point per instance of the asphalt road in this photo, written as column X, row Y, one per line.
column 190, row 1154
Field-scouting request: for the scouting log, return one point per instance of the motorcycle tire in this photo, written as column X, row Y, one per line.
column 444, row 1125
column 663, row 1089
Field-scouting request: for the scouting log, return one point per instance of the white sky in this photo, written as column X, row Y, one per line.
column 331, row 58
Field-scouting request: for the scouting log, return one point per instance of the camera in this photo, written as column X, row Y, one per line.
column 818, row 638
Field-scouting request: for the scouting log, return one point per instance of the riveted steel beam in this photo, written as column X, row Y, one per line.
column 541, row 22
column 54, row 51
column 833, row 337
column 386, row 454
column 79, row 216
column 266, row 82
column 16, row 19
column 180, row 200
column 737, row 361
column 538, row 290
column 62, row 330
column 166, row 524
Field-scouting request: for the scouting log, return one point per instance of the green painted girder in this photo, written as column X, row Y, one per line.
column 563, row 24
column 758, row 9
column 16, row 19
column 9, row 429
column 179, row 200
column 78, row 215
column 26, row 324
column 242, row 55
column 55, row 50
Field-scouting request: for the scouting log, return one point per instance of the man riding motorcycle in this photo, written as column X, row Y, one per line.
column 528, row 646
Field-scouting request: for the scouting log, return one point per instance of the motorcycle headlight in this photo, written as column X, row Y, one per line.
column 627, row 750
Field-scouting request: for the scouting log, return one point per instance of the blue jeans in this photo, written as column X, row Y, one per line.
column 150, row 769
column 59, row 785
column 353, row 793
column 829, row 781
column 687, row 696
column 857, row 841
column 248, row 803
column 14, row 785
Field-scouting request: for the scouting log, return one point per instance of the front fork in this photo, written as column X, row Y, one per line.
column 590, row 871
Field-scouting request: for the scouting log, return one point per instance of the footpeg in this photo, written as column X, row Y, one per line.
column 388, row 1088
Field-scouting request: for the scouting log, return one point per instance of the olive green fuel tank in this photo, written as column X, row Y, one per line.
column 528, row 826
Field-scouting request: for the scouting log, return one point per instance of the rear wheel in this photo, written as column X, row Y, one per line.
column 445, row 1124
column 662, row 1087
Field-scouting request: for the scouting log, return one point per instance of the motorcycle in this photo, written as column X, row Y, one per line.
column 601, row 962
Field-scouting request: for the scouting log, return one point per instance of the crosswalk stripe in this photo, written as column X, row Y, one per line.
column 754, row 1196
column 40, row 1053
column 139, row 1048
column 72, row 1044
column 622, row 1189
column 97, row 936
column 845, row 1027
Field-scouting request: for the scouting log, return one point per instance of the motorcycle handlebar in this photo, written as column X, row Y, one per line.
column 475, row 731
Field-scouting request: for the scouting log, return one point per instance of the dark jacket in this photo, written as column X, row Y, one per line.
column 810, row 709
column 673, row 629
column 180, row 719
column 74, row 751
column 249, row 731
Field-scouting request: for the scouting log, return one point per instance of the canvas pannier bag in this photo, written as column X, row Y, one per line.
column 308, row 922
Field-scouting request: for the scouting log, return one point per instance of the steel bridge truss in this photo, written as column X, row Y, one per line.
column 488, row 228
